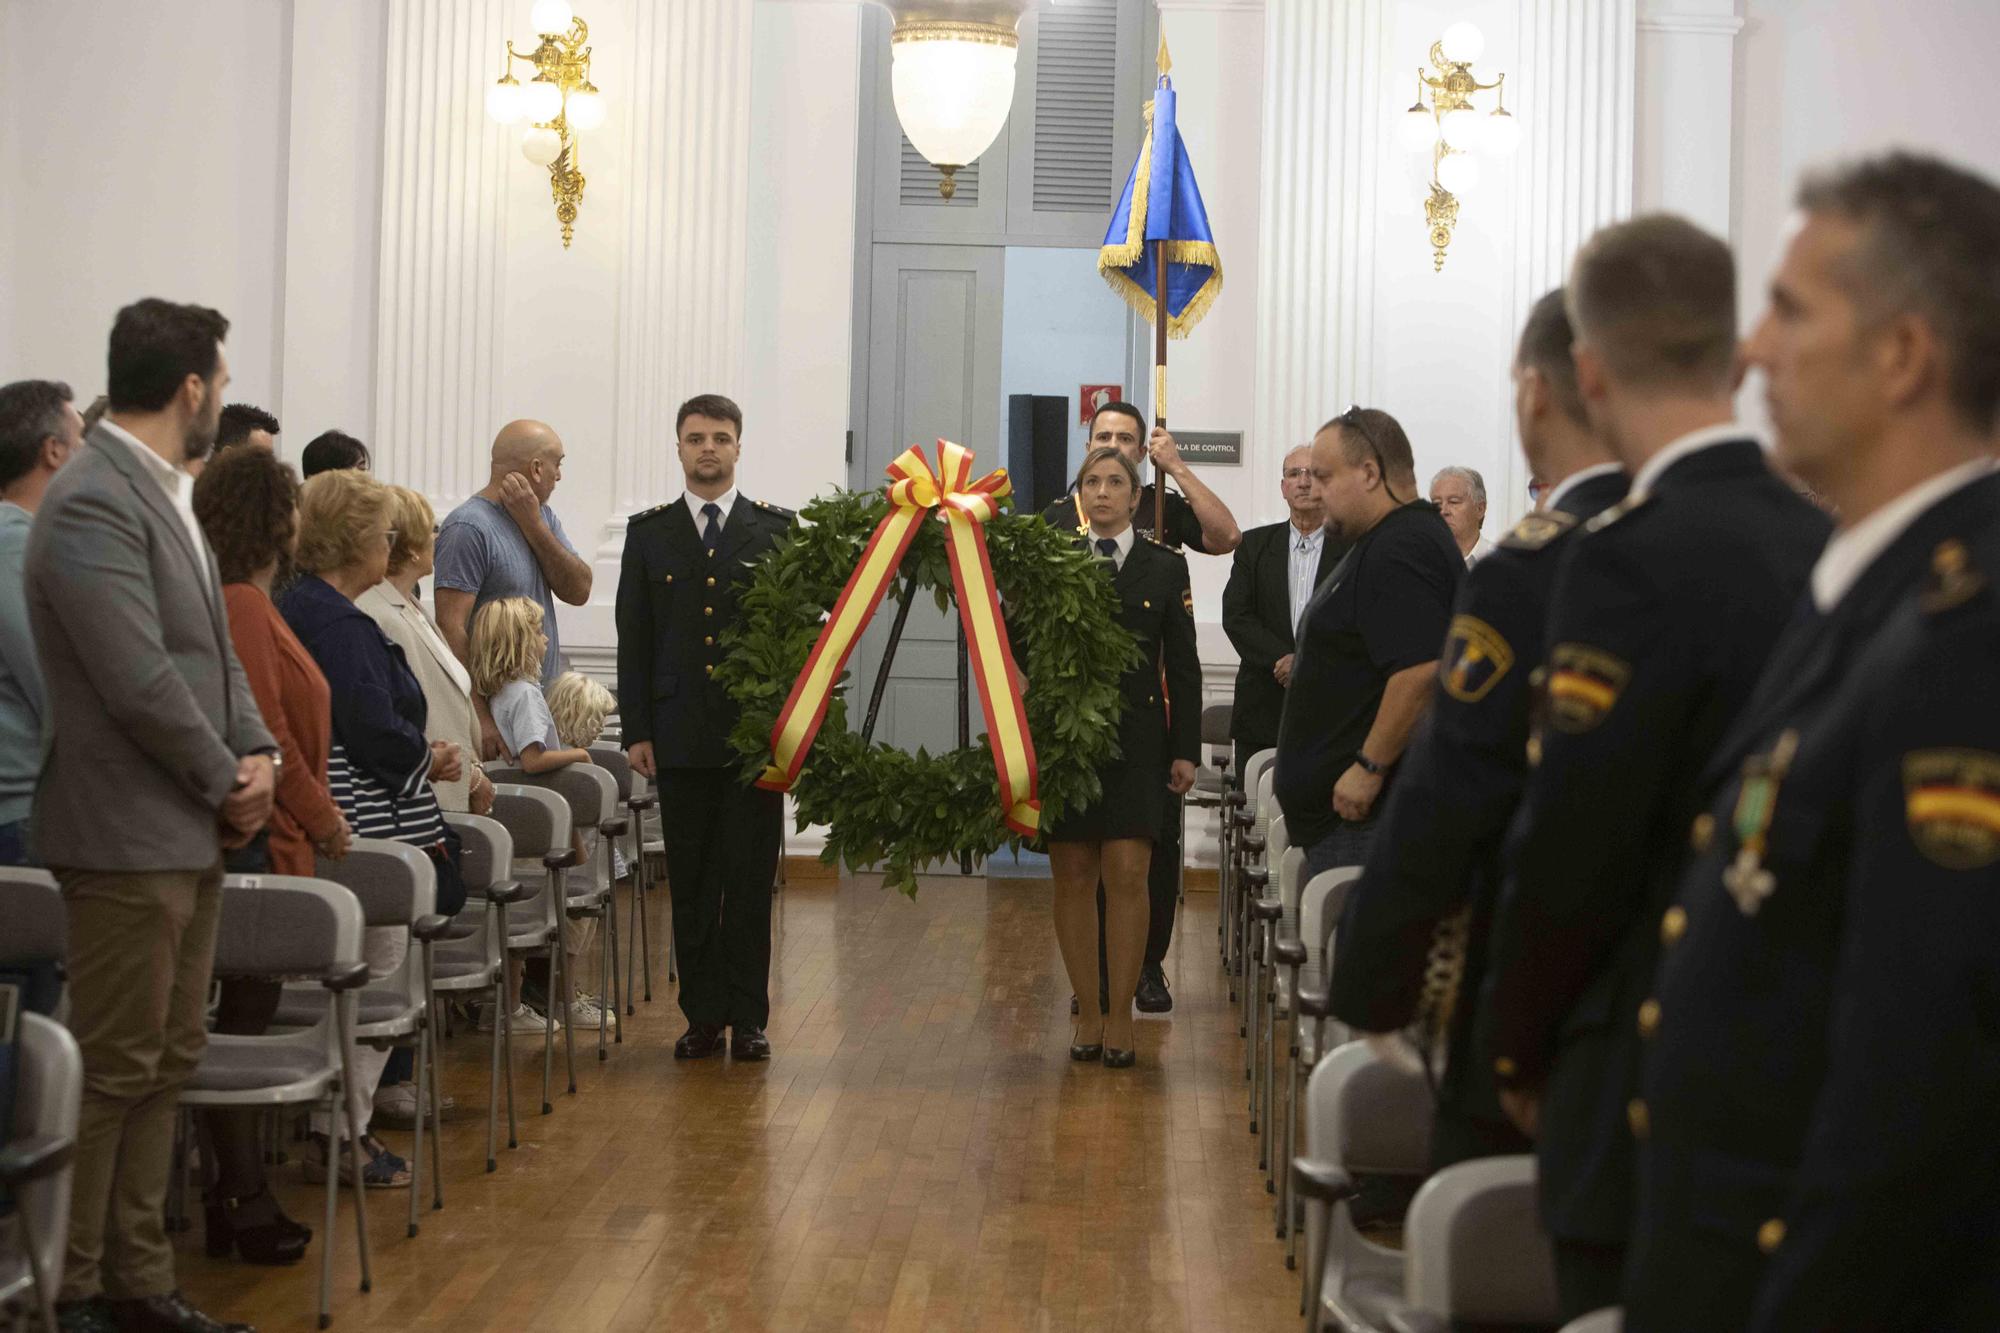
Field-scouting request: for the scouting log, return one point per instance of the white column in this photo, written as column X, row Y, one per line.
column 1575, row 95
column 1686, row 120
column 439, row 326
column 1320, row 214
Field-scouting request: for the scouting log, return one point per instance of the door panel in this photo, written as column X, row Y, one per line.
column 933, row 371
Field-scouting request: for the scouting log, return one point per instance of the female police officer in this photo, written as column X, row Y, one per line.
column 1112, row 838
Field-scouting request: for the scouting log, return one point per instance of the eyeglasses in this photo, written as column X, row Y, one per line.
column 1296, row 473
column 390, row 535
column 1352, row 420
column 1536, row 490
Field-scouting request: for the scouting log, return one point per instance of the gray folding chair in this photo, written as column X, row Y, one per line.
column 1364, row 1116
column 36, row 1166
column 1247, row 821
column 638, row 801
column 537, row 823
column 1263, row 910
column 1211, row 780
column 1608, row 1320
column 37, row 922
column 479, row 961
column 283, row 926
column 1476, row 1252
column 1308, row 958
column 396, row 884
column 594, row 803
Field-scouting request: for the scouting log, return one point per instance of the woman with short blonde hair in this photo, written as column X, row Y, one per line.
column 343, row 522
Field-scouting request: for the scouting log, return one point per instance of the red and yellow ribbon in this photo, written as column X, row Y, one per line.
column 966, row 505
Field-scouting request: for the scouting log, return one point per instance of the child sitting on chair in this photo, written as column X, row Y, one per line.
column 507, row 648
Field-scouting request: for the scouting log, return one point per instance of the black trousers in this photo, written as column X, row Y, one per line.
column 722, row 838
column 1589, row 1276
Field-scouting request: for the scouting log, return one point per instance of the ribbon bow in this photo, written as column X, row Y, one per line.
column 914, row 491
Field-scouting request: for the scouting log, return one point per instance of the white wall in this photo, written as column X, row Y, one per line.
column 146, row 156
column 1061, row 327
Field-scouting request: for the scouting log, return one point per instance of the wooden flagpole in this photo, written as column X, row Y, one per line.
column 1160, row 375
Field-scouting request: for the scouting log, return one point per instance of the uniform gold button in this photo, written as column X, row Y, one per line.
column 710, row 668
column 709, row 640
column 1771, row 1235
column 670, row 578
column 1505, row 1067
column 1637, row 1118
column 1534, row 751
column 708, row 610
column 1673, row 925
column 1649, row 1018
column 1703, row 832
column 1147, row 605
column 711, row 580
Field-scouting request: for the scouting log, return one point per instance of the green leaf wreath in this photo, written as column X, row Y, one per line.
column 897, row 812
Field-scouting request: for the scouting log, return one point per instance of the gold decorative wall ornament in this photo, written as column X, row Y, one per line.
column 1451, row 129
column 952, row 76
column 557, row 101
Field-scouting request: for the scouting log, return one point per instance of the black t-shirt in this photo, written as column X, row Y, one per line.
column 1183, row 528
column 1386, row 608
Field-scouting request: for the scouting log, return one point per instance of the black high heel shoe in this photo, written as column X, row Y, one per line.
column 1086, row 1054
column 277, row 1241
column 1114, row 1058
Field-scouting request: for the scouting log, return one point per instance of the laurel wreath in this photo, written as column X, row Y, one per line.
column 888, row 809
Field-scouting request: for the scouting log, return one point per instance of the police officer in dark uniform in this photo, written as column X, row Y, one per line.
column 1823, row 1040
column 1664, row 611
column 1195, row 518
column 685, row 563
column 1433, row 873
column 1108, row 845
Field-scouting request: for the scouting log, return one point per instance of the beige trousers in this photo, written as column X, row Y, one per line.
column 141, row 948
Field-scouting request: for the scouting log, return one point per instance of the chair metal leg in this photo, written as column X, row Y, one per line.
column 549, row 1024
column 344, row 1018
column 493, row 1066
column 417, row 1143
column 569, row 981
column 506, row 1026
column 437, row 1098
column 332, row 1185
column 1252, row 1029
column 1270, row 973
column 610, row 996
column 632, row 927
column 611, row 1000
column 642, row 887
column 1315, row 1274
column 45, row 1299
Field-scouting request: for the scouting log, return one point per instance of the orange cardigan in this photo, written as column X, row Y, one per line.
column 297, row 707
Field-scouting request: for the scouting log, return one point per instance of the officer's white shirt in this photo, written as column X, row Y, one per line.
column 1124, row 540
column 725, row 502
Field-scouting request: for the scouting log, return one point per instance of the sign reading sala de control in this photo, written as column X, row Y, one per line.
column 1211, row 448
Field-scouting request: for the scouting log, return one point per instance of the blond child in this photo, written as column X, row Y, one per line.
column 507, row 646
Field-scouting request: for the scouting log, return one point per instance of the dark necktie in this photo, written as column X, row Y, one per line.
column 1108, row 548
column 711, row 533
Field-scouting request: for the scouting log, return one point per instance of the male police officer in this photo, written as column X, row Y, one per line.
column 685, row 563
column 1437, row 861
column 1823, row 1042
column 1664, row 611
column 1195, row 518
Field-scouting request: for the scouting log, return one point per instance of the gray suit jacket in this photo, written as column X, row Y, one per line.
column 148, row 706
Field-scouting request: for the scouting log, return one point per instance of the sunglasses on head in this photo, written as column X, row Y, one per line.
column 1352, row 420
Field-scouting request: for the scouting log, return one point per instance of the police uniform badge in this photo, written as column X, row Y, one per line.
column 1583, row 685
column 1535, row 531
column 1951, row 799
column 1476, row 656
column 1953, row 581
column 1187, row 600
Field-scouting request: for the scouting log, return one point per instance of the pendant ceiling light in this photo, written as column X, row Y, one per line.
column 952, row 74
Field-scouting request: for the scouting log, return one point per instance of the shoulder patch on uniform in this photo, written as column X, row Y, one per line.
column 1187, row 600
column 1475, row 657
column 1951, row 798
column 1952, row 581
column 645, row 514
column 1583, row 686
column 1537, row 530
column 1606, row 517
column 1164, row 546
column 776, row 511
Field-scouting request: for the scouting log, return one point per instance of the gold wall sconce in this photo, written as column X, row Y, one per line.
column 558, row 101
column 1453, row 131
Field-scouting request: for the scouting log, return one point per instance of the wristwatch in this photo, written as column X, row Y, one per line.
column 1368, row 765
column 277, row 759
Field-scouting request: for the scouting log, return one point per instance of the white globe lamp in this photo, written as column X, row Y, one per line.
column 550, row 16
column 1462, row 43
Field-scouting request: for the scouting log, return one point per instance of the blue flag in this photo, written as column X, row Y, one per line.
column 1161, row 202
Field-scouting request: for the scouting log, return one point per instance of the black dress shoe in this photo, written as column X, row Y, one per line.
column 87, row 1316
column 1117, row 1059
column 1085, row 1054
column 699, row 1042
column 167, row 1314
column 749, row 1044
column 1153, row 996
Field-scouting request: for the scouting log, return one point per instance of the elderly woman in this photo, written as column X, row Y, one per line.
column 247, row 502
column 381, row 764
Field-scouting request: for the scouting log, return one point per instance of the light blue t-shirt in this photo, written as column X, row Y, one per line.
column 21, row 699
column 481, row 550
column 521, row 712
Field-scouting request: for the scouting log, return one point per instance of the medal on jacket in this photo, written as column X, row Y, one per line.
column 1748, row 882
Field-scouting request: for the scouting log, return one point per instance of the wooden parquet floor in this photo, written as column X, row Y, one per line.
column 920, row 1154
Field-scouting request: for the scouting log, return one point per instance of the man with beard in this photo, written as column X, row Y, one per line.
column 686, row 562
column 146, row 699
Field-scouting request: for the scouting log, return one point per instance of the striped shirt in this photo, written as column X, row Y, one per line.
column 373, row 811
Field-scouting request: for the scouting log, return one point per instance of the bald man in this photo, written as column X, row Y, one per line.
column 506, row 542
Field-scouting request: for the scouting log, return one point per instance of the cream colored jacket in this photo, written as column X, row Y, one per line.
column 447, row 687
